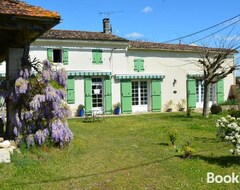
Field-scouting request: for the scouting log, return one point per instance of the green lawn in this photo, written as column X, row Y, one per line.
column 129, row 152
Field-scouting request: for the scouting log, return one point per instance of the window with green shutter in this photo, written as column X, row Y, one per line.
column 97, row 56
column 139, row 65
column 58, row 55
column 70, row 90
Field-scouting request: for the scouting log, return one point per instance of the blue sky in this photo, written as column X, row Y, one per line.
column 148, row 20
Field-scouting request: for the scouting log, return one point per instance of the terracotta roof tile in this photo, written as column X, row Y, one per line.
column 163, row 46
column 80, row 35
column 15, row 7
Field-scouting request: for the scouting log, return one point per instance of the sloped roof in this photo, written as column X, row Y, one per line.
column 18, row 8
column 164, row 46
column 80, row 35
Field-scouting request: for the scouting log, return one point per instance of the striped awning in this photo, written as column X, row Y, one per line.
column 195, row 76
column 89, row 73
column 143, row 76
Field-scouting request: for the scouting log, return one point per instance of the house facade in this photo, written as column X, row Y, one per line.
column 104, row 69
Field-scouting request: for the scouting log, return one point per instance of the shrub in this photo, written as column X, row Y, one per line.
column 235, row 113
column 172, row 135
column 229, row 129
column 215, row 109
column 189, row 112
column 188, row 151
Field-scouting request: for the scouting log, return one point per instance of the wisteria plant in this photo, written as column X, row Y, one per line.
column 229, row 129
column 38, row 108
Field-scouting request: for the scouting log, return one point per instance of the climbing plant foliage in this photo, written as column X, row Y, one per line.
column 38, row 110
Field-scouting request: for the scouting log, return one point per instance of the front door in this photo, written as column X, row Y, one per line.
column 97, row 93
column 139, row 96
column 200, row 93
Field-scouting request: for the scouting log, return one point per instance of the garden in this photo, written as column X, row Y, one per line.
column 148, row 151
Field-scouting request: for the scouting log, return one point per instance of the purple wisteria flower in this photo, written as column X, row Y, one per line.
column 39, row 109
column 41, row 136
column 21, row 86
column 30, row 140
column 61, row 134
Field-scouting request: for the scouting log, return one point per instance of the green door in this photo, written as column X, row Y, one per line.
column 156, row 95
column 191, row 93
column 220, row 92
column 88, row 94
column 126, row 92
column 108, row 96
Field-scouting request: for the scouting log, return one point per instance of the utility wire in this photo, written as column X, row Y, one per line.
column 203, row 29
column 215, row 32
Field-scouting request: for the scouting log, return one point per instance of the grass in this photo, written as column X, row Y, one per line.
column 129, row 152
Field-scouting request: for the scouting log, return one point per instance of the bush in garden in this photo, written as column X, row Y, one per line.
column 38, row 108
column 235, row 113
column 229, row 129
column 215, row 109
column 172, row 135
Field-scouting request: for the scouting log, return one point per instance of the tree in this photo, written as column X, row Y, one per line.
column 215, row 67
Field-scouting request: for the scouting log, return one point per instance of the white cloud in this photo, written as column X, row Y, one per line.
column 147, row 9
column 134, row 35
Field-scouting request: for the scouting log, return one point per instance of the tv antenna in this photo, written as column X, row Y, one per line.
column 108, row 13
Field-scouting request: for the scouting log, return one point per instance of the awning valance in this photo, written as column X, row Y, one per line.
column 143, row 76
column 195, row 76
column 89, row 73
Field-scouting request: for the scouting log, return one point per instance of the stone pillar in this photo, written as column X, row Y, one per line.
column 13, row 64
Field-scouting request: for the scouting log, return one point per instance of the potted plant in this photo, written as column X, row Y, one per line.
column 80, row 110
column 169, row 106
column 117, row 108
column 181, row 105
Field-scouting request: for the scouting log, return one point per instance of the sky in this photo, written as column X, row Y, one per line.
column 148, row 20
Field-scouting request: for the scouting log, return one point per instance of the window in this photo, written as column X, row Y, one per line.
column 139, row 65
column 58, row 56
column 97, row 56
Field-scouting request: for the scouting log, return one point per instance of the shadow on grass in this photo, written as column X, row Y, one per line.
column 95, row 174
column 206, row 139
column 224, row 161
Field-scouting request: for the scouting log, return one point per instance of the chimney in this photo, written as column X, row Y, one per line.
column 107, row 28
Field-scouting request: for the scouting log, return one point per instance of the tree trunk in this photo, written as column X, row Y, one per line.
column 206, row 99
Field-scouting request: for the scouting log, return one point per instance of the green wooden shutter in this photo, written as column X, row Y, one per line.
column 100, row 57
column 220, row 91
column 70, row 91
column 108, row 96
column 88, row 94
column 136, row 65
column 126, row 91
column 156, row 95
column 50, row 55
column 97, row 56
column 191, row 93
column 141, row 65
column 65, row 56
